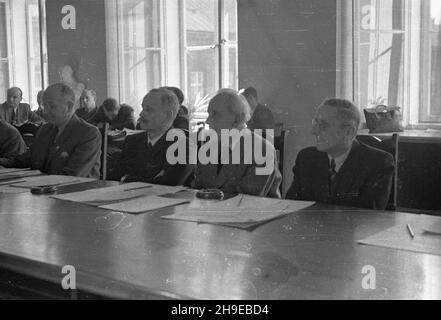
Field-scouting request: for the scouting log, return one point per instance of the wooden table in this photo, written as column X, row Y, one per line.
column 308, row 255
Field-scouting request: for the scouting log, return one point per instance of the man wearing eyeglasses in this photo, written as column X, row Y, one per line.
column 340, row 170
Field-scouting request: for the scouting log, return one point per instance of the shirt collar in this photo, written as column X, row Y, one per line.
column 155, row 140
column 340, row 160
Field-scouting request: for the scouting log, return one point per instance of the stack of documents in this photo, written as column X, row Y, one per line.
column 14, row 174
column 49, row 181
column 241, row 211
column 119, row 193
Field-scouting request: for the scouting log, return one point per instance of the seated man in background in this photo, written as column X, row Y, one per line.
column 229, row 111
column 11, row 142
column 144, row 155
column 340, row 170
column 117, row 116
column 181, row 121
column 65, row 145
column 88, row 108
column 40, row 111
column 16, row 113
column 261, row 116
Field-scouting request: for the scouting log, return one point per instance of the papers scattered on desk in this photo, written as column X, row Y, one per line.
column 144, row 204
column 12, row 190
column 128, row 191
column 49, row 181
column 10, row 174
column 398, row 237
column 241, row 211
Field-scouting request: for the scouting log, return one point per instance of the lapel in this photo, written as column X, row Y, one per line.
column 321, row 183
column 349, row 168
column 159, row 145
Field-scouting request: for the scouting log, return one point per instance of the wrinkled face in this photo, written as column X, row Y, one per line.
column 14, row 97
column 88, row 100
column 154, row 117
column 332, row 135
column 219, row 115
column 56, row 108
column 111, row 114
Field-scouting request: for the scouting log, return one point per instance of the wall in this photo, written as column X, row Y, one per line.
column 287, row 50
column 84, row 49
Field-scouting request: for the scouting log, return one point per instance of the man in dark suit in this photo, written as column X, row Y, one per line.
column 261, row 116
column 341, row 170
column 11, row 142
column 117, row 116
column 181, row 120
column 88, row 108
column 228, row 112
column 14, row 112
column 65, row 145
column 144, row 155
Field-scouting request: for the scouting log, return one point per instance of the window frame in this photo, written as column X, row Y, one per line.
column 9, row 60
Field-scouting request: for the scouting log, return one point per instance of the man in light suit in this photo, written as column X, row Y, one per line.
column 144, row 155
column 340, row 170
column 11, row 142
column 66, row 145
column 16, row 113
column 228, row 111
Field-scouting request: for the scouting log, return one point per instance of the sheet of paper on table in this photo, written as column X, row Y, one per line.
column 398, row 237
column 11, row 190
column 128, row 191
column 50, row 180
column 242, row 211
column 144, row 204
column 9, row 174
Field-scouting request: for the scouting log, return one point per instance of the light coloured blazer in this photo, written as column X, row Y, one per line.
column 76, row 152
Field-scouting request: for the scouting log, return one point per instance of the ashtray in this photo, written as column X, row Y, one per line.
column 43, row 190
column 210, row 194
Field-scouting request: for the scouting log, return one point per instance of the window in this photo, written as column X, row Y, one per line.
column 140, row 30
column 210, row 46
column 395, row 56
column 4, row 51
column 22, row 46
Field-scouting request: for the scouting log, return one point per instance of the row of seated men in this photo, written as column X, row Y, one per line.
column 337, row 170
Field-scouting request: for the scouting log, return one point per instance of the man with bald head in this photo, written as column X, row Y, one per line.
column 228, row 112
column 144, row 155
column 340, row 170
column 16, row 113
column 65, row 145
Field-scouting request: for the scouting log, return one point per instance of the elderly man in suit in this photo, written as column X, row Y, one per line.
column 144, row 155
column 339, row 169
column 11, row 142
column 88, row 108
column 65, row 145
column 14, row 112
column 261, row 116
column 228, row 112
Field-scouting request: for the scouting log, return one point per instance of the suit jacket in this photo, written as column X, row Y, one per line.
column 76, row 152
column 124, row 119
column 11, row 142
column 86, row 115
column 181, row 121
column 364, row 180
column 262, row 118
column 140, row 163
column 23, row 114
column 240, row 178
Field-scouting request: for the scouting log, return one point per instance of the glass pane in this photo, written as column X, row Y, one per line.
column 34, row 50
column 435, row 79
column 230, row 75
column 202, row 80
column 381, row 14
column 141, row 24
column 230, row 20
column 4, row 80
column 142, row 72
column 3, row 32
column 201, row 22
column 381, row 65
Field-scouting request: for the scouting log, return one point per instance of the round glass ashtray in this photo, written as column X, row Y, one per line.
column 210, row 194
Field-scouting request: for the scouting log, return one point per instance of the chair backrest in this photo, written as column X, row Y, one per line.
column 104, row 144
column 388, row 144
column 279, row 145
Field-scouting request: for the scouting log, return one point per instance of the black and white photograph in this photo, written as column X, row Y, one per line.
column 238, row 151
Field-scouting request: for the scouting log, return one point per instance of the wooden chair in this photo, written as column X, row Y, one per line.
column 390, row 145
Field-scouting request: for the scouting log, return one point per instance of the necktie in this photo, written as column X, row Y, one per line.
column 331, row 172
column 13, row 117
